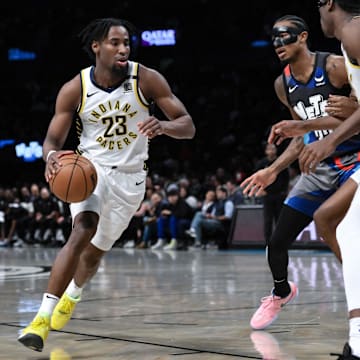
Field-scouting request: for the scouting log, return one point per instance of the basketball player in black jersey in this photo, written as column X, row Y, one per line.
column 305, row 85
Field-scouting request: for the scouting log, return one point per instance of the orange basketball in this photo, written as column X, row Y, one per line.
column 75, row 180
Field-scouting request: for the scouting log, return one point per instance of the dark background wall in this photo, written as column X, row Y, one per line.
column 226, row 84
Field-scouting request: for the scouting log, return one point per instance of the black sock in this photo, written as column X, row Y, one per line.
column 281, row 288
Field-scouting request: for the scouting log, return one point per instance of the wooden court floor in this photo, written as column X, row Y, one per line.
column 182, row 305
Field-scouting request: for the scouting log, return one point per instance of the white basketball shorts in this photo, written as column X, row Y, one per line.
column 115, row 199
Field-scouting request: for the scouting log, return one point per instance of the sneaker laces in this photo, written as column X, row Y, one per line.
column 270, row 300
column 66, row 306
column 39, row 322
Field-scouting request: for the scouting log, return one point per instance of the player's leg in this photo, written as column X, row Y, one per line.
column 88, row 265
column 297, row 212
column 331, row 212
column 63, row 269
column 348, row 238
column 278, row 258
column 116, row 215
column 85, row 220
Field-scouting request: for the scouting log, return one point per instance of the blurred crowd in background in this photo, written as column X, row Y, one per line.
column 225, row 81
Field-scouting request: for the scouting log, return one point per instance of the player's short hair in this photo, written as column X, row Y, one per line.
column 297, row 21
column 98, row 29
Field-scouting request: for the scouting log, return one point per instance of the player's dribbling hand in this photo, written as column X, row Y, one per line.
column 54, row 162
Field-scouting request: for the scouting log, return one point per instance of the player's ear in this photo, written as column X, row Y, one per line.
column 304, row 36
column 95, row 47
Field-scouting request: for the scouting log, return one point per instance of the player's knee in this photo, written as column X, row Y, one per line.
column 323, row 219
column 85, row 224
column 318, row 216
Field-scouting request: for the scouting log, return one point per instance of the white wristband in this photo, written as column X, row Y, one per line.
column 49, row 153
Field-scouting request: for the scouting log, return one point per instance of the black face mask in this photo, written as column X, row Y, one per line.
column 279, row 40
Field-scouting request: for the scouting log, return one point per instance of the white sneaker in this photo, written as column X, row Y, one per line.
column 37, row 235
column 159, row 244
column 130, row 244
column 172, row 245
column 191, row 232
column 47, row 235
column 4, row 243
column 59, row 236
column 18, row 243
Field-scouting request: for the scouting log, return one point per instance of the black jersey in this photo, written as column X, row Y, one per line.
column 309, row 100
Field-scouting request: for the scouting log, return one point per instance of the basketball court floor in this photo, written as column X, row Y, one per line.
column 182, row 305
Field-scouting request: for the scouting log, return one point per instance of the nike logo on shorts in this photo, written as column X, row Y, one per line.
column 139, row 183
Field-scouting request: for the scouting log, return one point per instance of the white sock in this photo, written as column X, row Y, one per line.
column 73, row 290
column 354, row 335
column 347, row 234
column 48, row 304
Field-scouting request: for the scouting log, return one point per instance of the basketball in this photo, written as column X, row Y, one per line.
column 75, row 180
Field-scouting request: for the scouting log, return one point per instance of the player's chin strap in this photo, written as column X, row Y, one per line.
column 285, row 35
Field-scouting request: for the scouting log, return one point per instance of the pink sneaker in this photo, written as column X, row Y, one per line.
column 270, row 307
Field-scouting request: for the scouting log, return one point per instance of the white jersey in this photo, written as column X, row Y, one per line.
column 353, row 72
column 107, row 122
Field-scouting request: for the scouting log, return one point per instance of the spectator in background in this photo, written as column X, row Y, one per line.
column 46, row 210
column 14, row 212
column 184, row 193
column 63, row 224
column 217, row 222
column 235, row 192
column 151, row 215
column 206, row 208
column 3, row 206
column 133, row 233
column 275, row 193
column 24, row 221
column 174, row 219
column 34, row 191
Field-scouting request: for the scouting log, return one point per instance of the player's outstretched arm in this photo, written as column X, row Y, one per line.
column 256, row 183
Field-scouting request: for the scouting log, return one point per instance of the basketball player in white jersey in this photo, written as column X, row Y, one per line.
column 341, row 19
column 111, row 103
